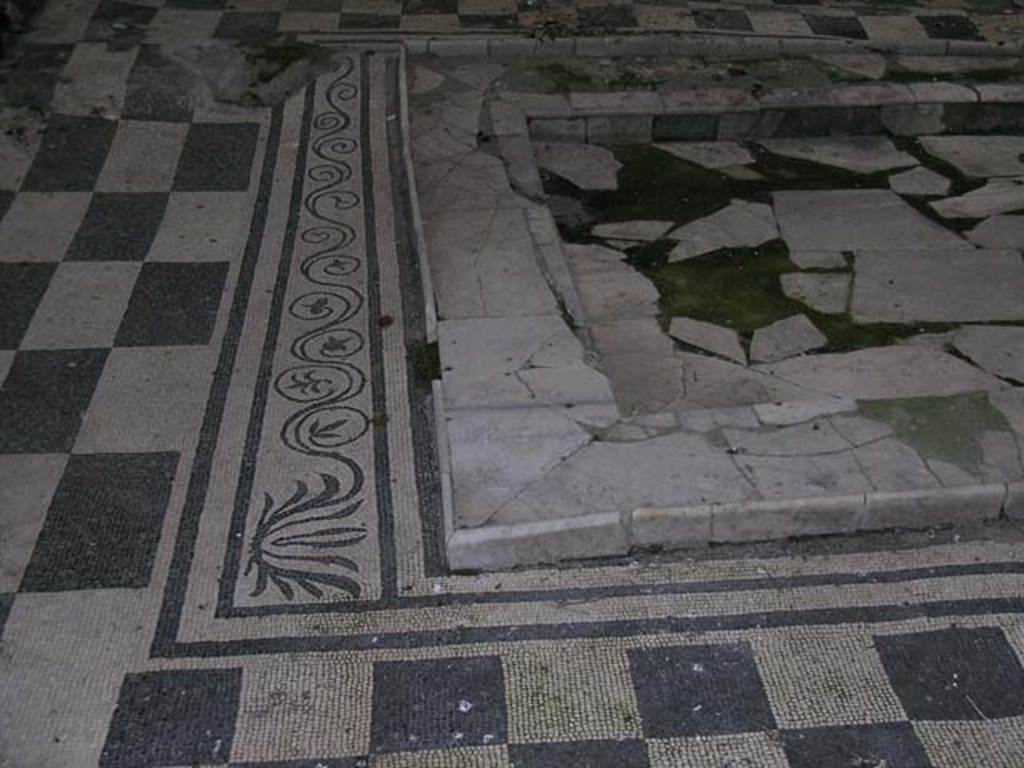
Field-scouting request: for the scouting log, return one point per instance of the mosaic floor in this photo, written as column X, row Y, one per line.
column 159, row 21
column 219, row 493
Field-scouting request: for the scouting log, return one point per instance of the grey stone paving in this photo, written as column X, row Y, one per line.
column 999, row 232
column 711, row 154
column 919, row 181
column 720, row 341
column 937, row 286
column 585, row 165
column 979, row 156
column 825, row 293
column 995, row 197
column 785, row 338
column 855, row 220
column 999, row 350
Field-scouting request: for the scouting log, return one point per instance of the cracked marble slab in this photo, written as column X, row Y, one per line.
column 740, row 224
column 859, row 154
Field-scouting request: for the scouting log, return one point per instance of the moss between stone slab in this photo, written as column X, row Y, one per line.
column 654, row 184
column 740, row 288
column 632, row 80
column 560, row 77
column 943, row 428
column 272, row 59
column 424, row 361
column 792, row 173
column 737, row 288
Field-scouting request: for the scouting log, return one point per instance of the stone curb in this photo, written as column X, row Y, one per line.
column 721, row 45
column 710, row 45
column 1014, row 504
column 766, row 519
column 918, row 108
column 426, row 280
column 609, row 534
column 444, row 459
column 493, row 547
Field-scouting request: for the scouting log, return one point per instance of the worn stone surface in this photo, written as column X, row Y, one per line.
column 709, row 382
column 499, row 362
column 644, row 231
column 913, row 119
column 785, row 338
column 716, row 339
column 716, row 155
column 860, row 154
column 639, row 361
column 848, row 220
column 950, row 474
column 484, row 265
column 999, row 232
column 471, row 181
column 919, row 182
column 704, row 420
column 937, row 286
column 817, row 259
column 782, row 414
column 609, row 289
column 797, row 477
column 827, row 293
column 741, row 224
column 817, row 436
column 617, row 477
column 997, row 349
column 894, row 466
column 1000, row 456
column 585, row 165
column 1010, row 403
column 979, row 156
column 496, row 453
column 998, row 196
column 423, row 79
column 882, row 372
column 859, row 430
column 741, row 173
column 948, row 65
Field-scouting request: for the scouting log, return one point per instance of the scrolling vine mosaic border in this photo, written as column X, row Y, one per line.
column 297, row 542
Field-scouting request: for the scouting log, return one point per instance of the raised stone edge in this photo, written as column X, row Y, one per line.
column 494, row 547
column 767, row 519
column 1013, row 506
column 444, row 458
column 719, row 45
column 419, row 233
column 552, row 262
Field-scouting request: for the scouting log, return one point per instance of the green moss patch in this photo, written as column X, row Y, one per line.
column 424, row 360
column 739, row 288
column 943, row 428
